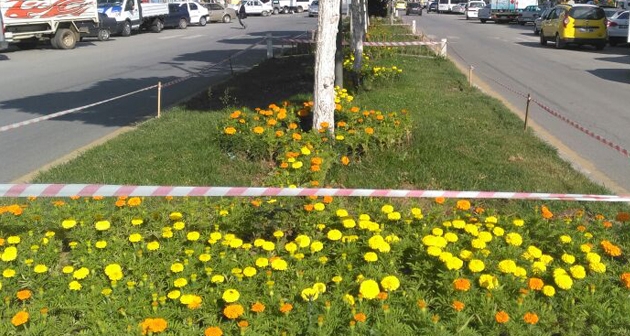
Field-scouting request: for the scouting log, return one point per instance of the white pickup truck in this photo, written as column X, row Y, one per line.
column 3, row 43
column 132, row 15
column 63, row 22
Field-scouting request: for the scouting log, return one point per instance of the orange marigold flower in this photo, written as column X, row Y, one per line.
column 382, row 296
column 314, row 183
column 134, row 201
column 623, row 217
column 279, row 134
column 581, row 228
column 120, row 203
column 421, row 304
column 296, row 136
column 545, row 212
column 479, row 210
column 607, row 224
column 258, row 130
column 338, row 107
column 345, row 160
column 369, row 130
column 316, row 161
column 380, row 117
column 354, row 109
column 309, row 207
column 461, row 284
column 24, row 294
column 625, row 279
column 327, row 199
column 256, row 203
column 315, row 168
column 458, row 305
column 284, row 165
column 44, row 311
column 530, row 318
column 97, row 198
column 440, row 200
column 229, row 130
column 341, row 124
column 286, row 308
column 501, row 317
column 19, row 318
column 610, row 248
column 243, row 324
column 324, row 124
column 293, row 125
column 360, row 317
column 535, row 284
column 236, row 114
column 59, row 203
column 213, row 331
column 153, row 325
column 463, row 205
column 233, row 311
column 258, row 307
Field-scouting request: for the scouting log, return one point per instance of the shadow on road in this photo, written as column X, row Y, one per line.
column 615, row 75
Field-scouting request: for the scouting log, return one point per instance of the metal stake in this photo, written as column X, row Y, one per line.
column 159, row 99
column 529, row 98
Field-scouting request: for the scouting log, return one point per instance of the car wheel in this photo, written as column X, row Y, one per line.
column 103, row 35
column 276, row 11
column 203, row 21
column 183, row 24
column 543, row 39
column 559, row 42
column 264, row 13
column 65, row 39
column 126, row 30
column 300, row 9
column 157, row 26
column 227, row 18
column 536, row 31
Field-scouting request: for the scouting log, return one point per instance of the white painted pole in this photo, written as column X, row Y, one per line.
column 269, row 46
column 413, row 27
column 443, row 48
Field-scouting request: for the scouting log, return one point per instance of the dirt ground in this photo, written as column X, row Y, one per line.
column 272, row 81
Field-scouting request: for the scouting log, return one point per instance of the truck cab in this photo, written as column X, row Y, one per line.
column 133, row 15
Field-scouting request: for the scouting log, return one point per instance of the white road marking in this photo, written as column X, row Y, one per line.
column 191, row 37
column 169, row 37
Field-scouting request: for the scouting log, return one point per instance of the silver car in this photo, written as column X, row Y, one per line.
column 617, row 26
column 313, row 9
column 539, row 19
column 219, row 13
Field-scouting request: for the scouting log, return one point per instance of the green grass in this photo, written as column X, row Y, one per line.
column 461, row 139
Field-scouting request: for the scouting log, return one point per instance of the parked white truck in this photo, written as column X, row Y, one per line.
column 290, row 6
column 132, row 15
column 503, row 11
column 61, row 21
column 3, row 42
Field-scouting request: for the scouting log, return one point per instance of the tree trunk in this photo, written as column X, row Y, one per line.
column 339, row 51
column 358, row 34
column 324, row 89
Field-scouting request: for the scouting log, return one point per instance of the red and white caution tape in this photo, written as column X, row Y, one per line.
column 90, row 190
column 372, row 44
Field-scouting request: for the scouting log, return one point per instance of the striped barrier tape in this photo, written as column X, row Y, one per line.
column 371, row 44
column 91, row 190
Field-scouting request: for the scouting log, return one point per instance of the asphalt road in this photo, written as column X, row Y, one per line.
column 589, row 87
column 43, row 81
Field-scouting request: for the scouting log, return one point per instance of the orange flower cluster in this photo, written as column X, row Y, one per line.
column 610, row 248
column 535, row 284
column 153, row 325
column 625, row 279
column 360, row 317
column 13, row 209
column 463, row 205
column 258, row 307
column 233, row 311
column 622, row 216
column 458, row 305
column 286, row 308
column 530, row 318
column 501, row 317
column 24, row 294
column 20, row 318
column 213, row 331
column 546, row 213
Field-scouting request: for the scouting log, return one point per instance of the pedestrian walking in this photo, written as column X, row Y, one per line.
column 242, row 15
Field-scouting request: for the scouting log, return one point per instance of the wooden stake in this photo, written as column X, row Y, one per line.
column 159, row 99
column 529, row 98
column 470, row 75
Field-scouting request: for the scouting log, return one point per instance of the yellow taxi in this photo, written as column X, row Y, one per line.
column 400, row 4
column 579, row 24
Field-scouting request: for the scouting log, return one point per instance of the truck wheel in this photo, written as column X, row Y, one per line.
column 203, row 21
column 157, row 26
column 543, row 39
column 65, row 39
column 183, row 24
column 227, row 18
column 126, row 29
column 103, row 35
column 300, row 9
column 276, row 11
column 264, row 13
column 483, row 20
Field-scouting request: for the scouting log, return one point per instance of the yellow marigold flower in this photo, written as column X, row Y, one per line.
column 454, row 263
column 485, row 236
column 436, row 241
column 549, row 290
column 417, row 213
column 465, row 254
column 437, row 231
column 67, row 269
column 597, row 267
column 114, row 272
column 539, row 267
column 458, row 224
column 563, row 281
column 565, row 239
column 303, row 241
column 180, row 282
column 384, row 247
column 387, row 209
column 106, row 291
column 497, row 231
column 488, row 281
column 478, row 244
column 230, row 295
column 179, row 225
column 394, row 215
column 137, row 221
column 567, row 258
column 434, row 251
column 520, row 272
column 177, row 267
column 369, row 289
column 593, row 257
column 279, row 264
column 316, row 246
column 9, row 254
column 204, row 257
column 14, row 240
column 81, row 273
column 310, row 294
column 235, row 243
column 152, row 246
column 472, row 229
column 262, row 262
column 40, row 268
column 514, row 239
column 518, row 222
column 102, row 225
column 334, row 235
column 337, row 279
column 217, row 278
column 507, row 266
column 175, row 216
column 445, row 256
column 349, row 223
column 193, row 235
column 216, row 236
column 249, row 271
column 349, row 299
column 268, row 246
column 8, row 273
column 101, row 244
column 174, row 294
column 68, row 223
column 450, row 237
column 342, row 213
column 135, row 237
column 291, row 247
column 577, row 272
column 534, row 251
column 476, row 265
column 370, row 257
column 75, row 285
column 390, row 283
column 323, row 259
column 319, row 206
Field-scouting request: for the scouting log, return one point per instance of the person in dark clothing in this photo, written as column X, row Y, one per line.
column 242, row 14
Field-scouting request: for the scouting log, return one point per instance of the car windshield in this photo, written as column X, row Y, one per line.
column 315, row 3
column 610, row 12
column 109, row 2
column 476, row 5
column 587, row 13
